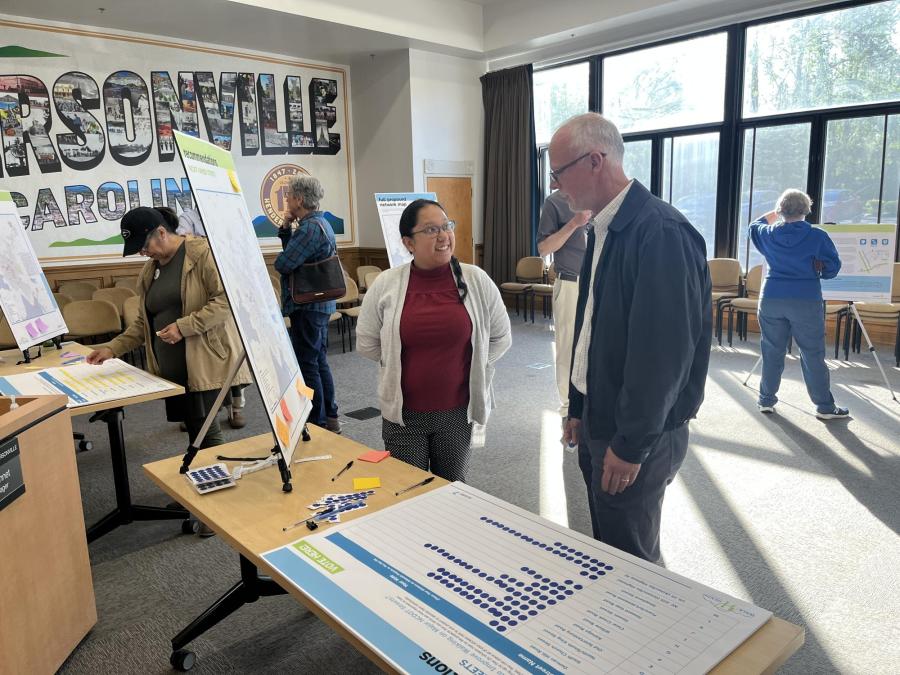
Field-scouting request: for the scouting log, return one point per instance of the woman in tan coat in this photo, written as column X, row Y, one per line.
column 184, row 318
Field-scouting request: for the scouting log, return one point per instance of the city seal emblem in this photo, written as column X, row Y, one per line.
column 273, row 191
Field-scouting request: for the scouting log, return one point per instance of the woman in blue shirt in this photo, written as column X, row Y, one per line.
column 798, row 256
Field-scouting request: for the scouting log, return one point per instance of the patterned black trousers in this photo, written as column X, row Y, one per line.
column 438, row 442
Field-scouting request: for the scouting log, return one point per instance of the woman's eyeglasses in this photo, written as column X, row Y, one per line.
column 435, row 230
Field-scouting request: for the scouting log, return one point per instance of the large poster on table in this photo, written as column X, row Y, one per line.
column 25, row 297
column 87, row 120
column 867, row 262
column 220, row 200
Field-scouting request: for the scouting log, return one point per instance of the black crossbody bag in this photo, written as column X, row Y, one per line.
column 318, row 281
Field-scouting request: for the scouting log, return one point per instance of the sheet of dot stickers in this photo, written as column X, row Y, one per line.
column 457, row 580
column 210, row 478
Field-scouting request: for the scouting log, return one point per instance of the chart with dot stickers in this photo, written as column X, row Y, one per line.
column 457, row 580
column 332, row 499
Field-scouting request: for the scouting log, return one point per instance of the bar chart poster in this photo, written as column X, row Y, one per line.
column 458, row 580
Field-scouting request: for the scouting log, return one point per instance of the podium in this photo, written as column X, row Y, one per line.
column 48, row 595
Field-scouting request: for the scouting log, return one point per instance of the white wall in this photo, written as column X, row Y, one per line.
column 382, row 142
column 447, row 119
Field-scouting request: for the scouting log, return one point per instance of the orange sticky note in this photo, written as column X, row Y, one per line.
column 284, row 434
column 374, row 455
column 366, row 483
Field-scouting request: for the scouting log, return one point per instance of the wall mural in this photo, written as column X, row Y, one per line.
column 86, row 121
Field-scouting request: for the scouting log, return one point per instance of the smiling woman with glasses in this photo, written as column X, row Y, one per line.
column 436, row 326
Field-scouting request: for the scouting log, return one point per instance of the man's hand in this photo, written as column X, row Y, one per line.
column 771, row 217
column 580, row 219
column 572, row 431
column 98, row 356
column 170, row 334
column 617, row 473
column 819, row 266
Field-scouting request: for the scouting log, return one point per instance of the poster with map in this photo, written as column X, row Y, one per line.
column 390, row 207
column 25, row 297
column 867, row 262
column 257, row 314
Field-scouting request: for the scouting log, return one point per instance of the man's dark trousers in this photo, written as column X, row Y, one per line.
column 630, row 521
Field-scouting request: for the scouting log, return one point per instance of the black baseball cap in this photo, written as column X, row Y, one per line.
column 136, row 225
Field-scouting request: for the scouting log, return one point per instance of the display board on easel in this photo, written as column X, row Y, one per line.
column 390, row 207
column 229, row 227
column 25, row 296
column 867, row 262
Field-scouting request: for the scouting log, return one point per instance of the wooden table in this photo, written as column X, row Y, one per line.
column 111, row 412
column 251, row 516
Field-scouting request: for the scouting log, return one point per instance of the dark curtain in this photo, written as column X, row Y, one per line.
column 511, row 198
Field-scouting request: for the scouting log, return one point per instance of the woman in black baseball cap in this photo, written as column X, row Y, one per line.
column 184, row 318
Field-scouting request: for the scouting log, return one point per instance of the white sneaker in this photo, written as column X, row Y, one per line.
column 836, row 414
column 768, row 409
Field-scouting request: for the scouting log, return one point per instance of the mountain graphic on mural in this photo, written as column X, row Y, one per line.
column 17, row 52
column 266, row 228
column 114, row 240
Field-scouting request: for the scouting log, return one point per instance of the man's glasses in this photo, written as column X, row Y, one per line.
column 554, row 175
column 435, row 230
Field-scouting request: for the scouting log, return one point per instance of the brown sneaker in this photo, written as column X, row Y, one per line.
column 333, row 424
column 236, row 418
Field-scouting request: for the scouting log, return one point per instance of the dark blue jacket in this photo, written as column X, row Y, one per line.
column 790, row 250
column 651, row 327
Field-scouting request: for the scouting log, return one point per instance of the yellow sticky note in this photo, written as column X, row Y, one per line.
column 366, row 483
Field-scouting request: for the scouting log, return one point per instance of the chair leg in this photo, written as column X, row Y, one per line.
column 897, row 346
column 730, row 325
column 847, row 334
column 837, row 332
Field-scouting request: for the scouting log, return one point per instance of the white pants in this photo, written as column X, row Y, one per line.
column 565, row 301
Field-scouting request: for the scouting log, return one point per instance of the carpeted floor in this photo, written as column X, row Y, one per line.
column 793, row 514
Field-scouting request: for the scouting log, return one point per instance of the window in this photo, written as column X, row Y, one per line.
column 774, row 159
column 638, row 161
column 838, row 58
column 672, row 85
column 559, row 93
column 861, row 158
column 689, row 176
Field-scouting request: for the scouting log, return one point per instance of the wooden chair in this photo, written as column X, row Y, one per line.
column 878, row 314
column 362, row 275
column 529, row 271
column 349, row 308
column 95, row 320
column 544, row 292
column 61, row 300
column 370, row 278
column 130, row 311
column 117, row 296
column 77, row 290
column 749, row 304
column 130, row 282
column 726, row 285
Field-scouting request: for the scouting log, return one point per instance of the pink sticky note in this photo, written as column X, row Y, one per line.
column 32, row 331
column 39, row 322
column 374, row 455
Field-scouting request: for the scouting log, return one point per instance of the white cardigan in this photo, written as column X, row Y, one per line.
column 378, row 337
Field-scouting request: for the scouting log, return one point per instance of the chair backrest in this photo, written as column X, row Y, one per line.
column 530, row 270
column 61, row 300
column 129, row 282
column 86, row 318
column 725, row 274
column 116, row 296
column 895, row 284
column 370, row 279
column 753, row 283
column 551, row 274
column 7, row 339
column 131, row 308
column 352, row 294
column 363, row 272
column 77, row 290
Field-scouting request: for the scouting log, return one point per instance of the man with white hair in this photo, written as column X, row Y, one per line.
column 643, row 329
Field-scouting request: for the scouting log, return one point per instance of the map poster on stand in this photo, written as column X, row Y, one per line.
column 456, row 580
column 257, row 314
column 390, row 207
column 867, row 262
column 25, row 296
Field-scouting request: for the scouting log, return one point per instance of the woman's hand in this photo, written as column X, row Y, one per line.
column 98, row 356
column 170, row 334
